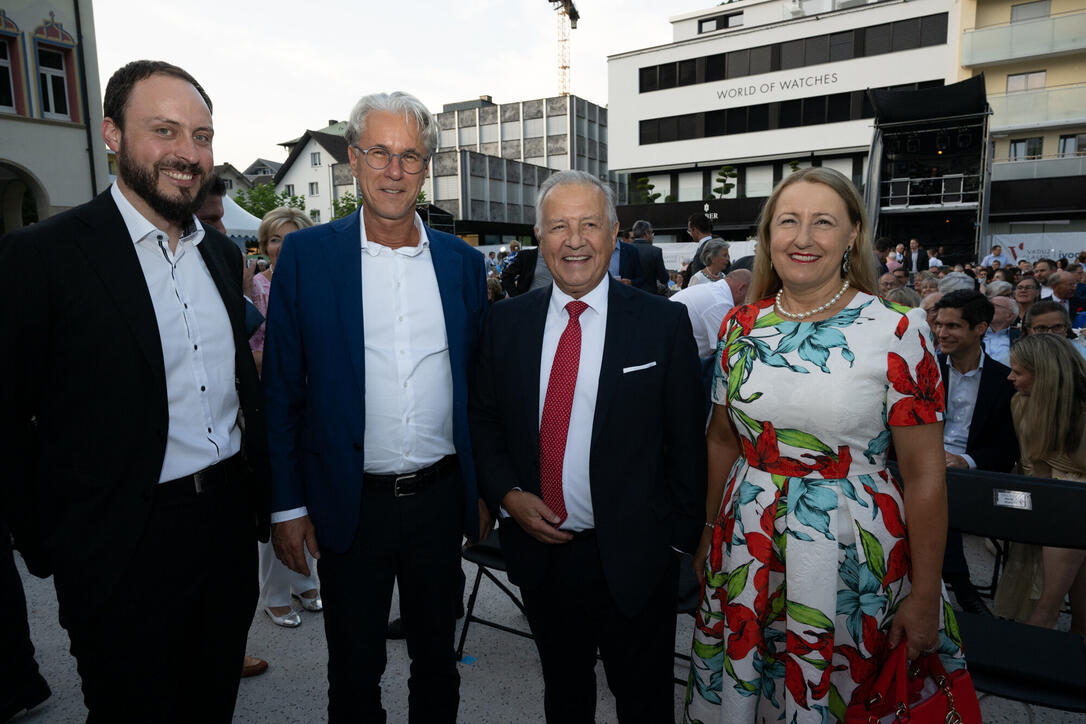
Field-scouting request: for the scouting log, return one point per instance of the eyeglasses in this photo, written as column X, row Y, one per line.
column 1027, row 287
column 378, row 158
column 1054, row 329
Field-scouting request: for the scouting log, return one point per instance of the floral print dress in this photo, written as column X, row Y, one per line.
column 809, row 559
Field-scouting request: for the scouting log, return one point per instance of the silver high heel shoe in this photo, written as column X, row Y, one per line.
column 310, row 604
column 291, row 619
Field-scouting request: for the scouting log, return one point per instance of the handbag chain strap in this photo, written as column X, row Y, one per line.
column 952, row 716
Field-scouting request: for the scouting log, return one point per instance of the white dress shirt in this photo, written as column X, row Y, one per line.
column 707, row 305
column 576, row 483
column 961, row 398
column 197, row 345
column 409, row 405
column 998, row 345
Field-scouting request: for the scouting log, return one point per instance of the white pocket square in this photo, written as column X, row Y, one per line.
column 638, row 368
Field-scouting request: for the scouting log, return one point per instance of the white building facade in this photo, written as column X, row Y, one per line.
column 318, row 171
column 51, row 153
column 765, row 86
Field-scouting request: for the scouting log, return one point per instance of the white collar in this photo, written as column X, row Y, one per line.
column 595, row 299
column 374, row 248
column 139, row 227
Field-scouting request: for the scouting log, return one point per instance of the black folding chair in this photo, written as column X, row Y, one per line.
column 487, row 555
column 1006, row 658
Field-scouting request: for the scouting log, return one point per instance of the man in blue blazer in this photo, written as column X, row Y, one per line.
column 372, row 326
column 589, row 431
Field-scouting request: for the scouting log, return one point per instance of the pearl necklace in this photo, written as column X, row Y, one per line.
column 804, row 315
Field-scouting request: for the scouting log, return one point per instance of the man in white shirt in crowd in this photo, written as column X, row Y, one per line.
column 708, row 304
column 1042, row 269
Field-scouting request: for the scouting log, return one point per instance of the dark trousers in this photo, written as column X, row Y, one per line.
column 572, row 613
column 168, row 645
column 19, row 677
column 415, row 540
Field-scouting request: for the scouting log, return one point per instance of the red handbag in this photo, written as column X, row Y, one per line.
column 923, row 693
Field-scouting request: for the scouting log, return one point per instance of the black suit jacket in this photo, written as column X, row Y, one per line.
column 653, row 270
column 921, row 261
column 647, row 465
column 992, row 443
column 83, row 407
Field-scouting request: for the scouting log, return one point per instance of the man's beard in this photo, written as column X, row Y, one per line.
column 145, row 185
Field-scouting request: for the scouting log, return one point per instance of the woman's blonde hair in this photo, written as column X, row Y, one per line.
column 1054, row 412
column 861, row 272
column 274, row 220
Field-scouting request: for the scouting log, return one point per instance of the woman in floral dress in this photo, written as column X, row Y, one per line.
column 810, row 573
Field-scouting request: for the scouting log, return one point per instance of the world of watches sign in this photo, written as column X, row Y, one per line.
column 795, row 83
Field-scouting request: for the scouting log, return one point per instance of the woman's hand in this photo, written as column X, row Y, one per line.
column 702, row 553
column 917, row 623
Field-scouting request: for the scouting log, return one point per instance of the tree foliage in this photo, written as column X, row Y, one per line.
column 724, row 181
column 262, row 198
column 646, row 191
column 344, row 205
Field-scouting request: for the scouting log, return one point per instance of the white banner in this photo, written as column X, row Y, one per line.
column 1036, row 246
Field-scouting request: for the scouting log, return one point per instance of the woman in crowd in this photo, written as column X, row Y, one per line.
column 810, row 575
column 1049, row 411
column 277, row 582
column 1026, row 292
column 714, row 255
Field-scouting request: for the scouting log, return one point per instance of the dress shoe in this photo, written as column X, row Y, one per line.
column 289, row 620
column 252, row 666
column 969, row 599
column 310, row 604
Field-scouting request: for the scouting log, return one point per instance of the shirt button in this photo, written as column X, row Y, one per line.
column 401, row 317
column 405, row 384
column 202, row 388
column 209, row 429
column 195, row 347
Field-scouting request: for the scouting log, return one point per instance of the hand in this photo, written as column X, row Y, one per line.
column 486, row 521
column 535, row 517
column 289, row 537
column 702, row 553
column 626, row 281
column 917, row 623
column 247, row 272
column 956, row 461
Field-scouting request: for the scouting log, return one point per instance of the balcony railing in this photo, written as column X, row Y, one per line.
column 898, row 194
column 1036, row 109
column 1044, row 167
column 1061, row 33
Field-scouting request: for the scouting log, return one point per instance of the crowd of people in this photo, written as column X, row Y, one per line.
column 192, row 437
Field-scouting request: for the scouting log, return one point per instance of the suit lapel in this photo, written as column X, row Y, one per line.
column 982, row 407
column 109, row 251
column 448, row 270
column 221, row 274
column 615, row 343
column 344, row 252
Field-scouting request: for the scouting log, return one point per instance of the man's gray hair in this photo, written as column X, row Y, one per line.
column 641, row 229
column 998, row 288
column 954, row 281
column 582, row 178
column 396, row 102
column 711, row 249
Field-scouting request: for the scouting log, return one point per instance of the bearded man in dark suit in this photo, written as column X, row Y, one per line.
column 131, row 420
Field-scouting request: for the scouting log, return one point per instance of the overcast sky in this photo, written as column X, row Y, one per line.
column 275, row 68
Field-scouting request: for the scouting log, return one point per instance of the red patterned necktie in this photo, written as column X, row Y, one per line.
column 554, row 426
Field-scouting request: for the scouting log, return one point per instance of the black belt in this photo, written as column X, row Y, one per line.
column 195, row 484
column 580, row 535
column 403, row 484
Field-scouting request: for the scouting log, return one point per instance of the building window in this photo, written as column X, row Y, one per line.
column 315, row 215
column 289, row 189
column 228, row 183
column 720, row 22
column 1030, row 11
column 315, row 158
column 53, row 84
column 1019, row 82
column 1073, row 145
column 7, row 83
column 314, row 188
column 1024, row 149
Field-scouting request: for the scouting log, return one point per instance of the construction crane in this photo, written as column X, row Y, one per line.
column 567, row 21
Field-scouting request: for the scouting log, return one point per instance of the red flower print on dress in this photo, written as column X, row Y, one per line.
column 902, row 327
column 924, row 397
column 764, row 454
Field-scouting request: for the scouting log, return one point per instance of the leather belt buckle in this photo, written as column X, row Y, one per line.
column 396, row 492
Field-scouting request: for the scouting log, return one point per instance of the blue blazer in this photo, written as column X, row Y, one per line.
column 314, row 371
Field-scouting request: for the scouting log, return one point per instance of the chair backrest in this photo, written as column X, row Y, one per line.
column 1042, row 511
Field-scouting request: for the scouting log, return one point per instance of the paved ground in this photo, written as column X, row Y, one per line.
column 501, row 679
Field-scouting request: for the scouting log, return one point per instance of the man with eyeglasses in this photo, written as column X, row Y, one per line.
column 372, row 327
column 1048, row 317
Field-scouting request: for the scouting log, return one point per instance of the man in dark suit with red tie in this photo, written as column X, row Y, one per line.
column 588, row 431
